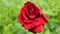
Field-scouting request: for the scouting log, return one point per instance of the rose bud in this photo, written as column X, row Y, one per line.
column 32, row 18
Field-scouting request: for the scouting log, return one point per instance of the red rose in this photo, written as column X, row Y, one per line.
column 32, row 18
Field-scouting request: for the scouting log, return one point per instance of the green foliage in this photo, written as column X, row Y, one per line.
column 9, row 10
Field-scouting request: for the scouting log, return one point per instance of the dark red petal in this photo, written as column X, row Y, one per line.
column 39, row 28
column 29, row 26
column 20, row 16
column 42, row 21
column 44, row 17
column 20, row 20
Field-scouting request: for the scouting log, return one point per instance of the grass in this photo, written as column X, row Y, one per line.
column 9, row 10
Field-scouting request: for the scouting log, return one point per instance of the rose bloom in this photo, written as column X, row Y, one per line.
column 32, row 18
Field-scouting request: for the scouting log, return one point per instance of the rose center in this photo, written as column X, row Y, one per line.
column 31, row 10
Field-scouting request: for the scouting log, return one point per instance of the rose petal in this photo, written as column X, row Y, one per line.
column 39, row 28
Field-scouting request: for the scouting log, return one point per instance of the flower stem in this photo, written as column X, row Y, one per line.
column 35, row 33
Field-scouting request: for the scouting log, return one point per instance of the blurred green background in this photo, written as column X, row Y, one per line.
column 9, row 10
